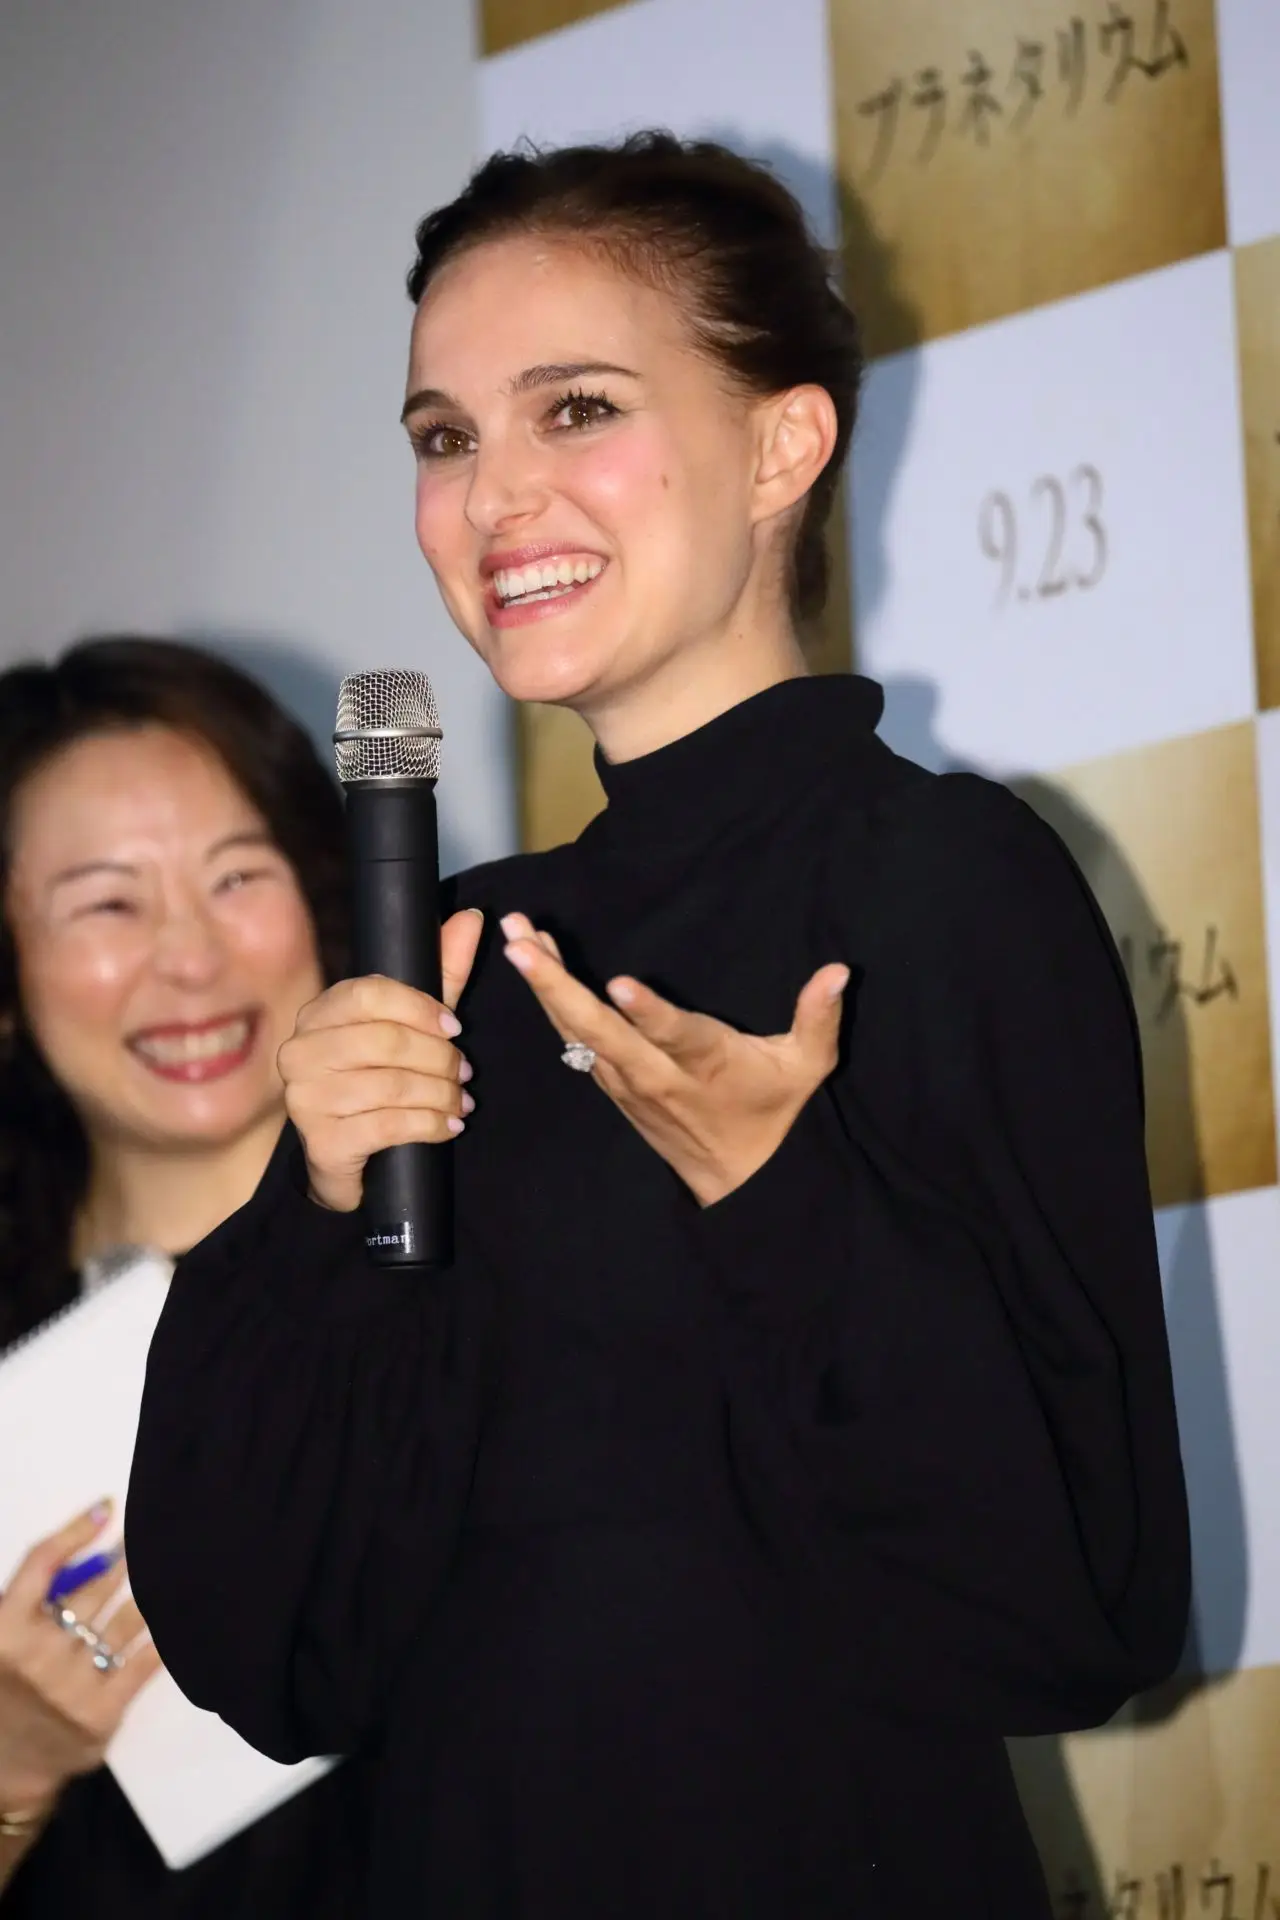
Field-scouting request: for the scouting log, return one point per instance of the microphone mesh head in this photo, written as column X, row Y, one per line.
column 388, row 727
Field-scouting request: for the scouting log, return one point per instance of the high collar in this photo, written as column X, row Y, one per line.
column 741, row 765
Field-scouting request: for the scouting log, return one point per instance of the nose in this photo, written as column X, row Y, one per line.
column 189, row 950
column 508, row 485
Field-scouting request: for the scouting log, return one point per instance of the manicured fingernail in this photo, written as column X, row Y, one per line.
column 520, row 958
column 513, row 925
column 620, row 992
column 465, row 1071
column 468, row 1104
column 100, row 1511
column 838, row 984
column 478, row 912
column 454, row 1124
column 450, row 1025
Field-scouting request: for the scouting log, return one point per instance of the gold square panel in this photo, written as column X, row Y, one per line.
column 558, row 792
column 1257, row 271
column 508, row 23
column 1169, row 1811
column 1169, row 838
column 1008, row 156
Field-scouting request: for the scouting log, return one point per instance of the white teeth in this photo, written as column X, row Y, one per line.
column 179, row 1049
column 544, row 579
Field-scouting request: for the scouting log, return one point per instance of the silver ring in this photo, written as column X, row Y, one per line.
column 104, row 1660
column 70, row 1622
column 579, row 1056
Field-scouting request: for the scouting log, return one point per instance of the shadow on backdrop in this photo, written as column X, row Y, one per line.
column 1219, row 1536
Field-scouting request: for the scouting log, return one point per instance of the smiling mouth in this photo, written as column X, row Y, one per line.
column 544, row 580
column 197, row 1053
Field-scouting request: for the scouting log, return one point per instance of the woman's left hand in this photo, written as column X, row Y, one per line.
column 715, row 1103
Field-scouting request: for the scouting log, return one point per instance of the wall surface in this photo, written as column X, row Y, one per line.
column 206, row 213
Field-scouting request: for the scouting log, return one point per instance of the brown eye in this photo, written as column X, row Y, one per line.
column 440, row 442
column 579, row 410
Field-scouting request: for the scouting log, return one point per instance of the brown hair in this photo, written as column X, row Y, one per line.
column 692, row 217
column 103, row 686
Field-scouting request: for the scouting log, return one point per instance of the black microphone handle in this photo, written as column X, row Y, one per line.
column 407, row 1206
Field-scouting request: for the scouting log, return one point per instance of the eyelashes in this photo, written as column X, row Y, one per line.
column 585, row 401
column 445, row 440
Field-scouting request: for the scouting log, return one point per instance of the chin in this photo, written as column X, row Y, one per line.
column 205, row 1120
column 558, row 678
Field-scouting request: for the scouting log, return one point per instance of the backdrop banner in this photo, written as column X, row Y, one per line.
column 1060, row 555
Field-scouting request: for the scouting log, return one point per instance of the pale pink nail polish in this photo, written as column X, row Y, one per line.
column 454, row 1124
column 450, row 1025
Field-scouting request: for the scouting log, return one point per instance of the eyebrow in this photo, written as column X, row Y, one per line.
column 86, row 867
column 248, row 837
column 552, row 375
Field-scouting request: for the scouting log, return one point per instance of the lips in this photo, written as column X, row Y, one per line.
column 197, row 1052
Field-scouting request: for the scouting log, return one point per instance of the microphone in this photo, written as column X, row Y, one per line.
column 387, row 745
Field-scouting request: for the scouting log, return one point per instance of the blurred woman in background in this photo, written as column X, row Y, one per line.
column 171, row 882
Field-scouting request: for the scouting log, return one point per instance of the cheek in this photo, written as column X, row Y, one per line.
column 447, row 546
column 625, row 479
column 439, row 521
column 275, row 952
column 75, row 993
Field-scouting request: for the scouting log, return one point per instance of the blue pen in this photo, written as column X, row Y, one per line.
column 78, row 1573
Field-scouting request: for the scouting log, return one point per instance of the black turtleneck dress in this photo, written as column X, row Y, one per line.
column 693, row 1563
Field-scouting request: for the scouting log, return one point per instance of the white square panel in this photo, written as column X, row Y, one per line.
column 1249, row 59
column 757, row 78
column 1221, row 1269
column 1050, row 552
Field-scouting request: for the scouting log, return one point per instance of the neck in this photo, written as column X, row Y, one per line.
column 694, row 687
column 142, row 1196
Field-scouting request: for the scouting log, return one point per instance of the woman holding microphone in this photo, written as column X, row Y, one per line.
column 795, row 1421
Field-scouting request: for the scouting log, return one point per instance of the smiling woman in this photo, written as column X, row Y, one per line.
column 796, row 1419
column 171, row 892
column 170, row 859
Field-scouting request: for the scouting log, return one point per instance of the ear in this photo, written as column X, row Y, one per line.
column 797, row 435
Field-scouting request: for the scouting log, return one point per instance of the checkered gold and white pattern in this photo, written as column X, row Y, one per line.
column 1060, row 220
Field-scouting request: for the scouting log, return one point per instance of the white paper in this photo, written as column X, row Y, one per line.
column 69, row 1403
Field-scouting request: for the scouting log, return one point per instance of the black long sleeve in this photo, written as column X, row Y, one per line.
column 295, row 1516
column 662, row 1550
column 951, row 1371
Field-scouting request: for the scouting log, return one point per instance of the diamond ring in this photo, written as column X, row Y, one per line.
column 581, row 1058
